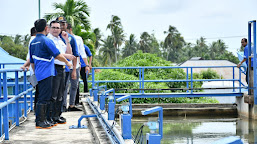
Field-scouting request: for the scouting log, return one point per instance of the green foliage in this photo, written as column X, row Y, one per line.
column 146, row 59
column 210, row 74
column 14, row 46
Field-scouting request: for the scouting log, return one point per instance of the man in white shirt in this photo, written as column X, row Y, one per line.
column 59, row 80
column 75, row 82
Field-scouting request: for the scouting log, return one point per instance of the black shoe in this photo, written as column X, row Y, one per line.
column 73, row 109
column 52, row 122
column 62, row 118
column 60, row 121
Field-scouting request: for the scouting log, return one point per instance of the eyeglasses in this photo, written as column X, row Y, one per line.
column 55, row 27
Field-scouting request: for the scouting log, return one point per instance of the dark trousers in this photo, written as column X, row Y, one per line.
column 58, row 84
column 36, row 97
column 45, row 90
column 246, row 78
column 84, row 78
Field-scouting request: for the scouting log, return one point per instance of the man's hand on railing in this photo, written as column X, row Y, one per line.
column 24, row 68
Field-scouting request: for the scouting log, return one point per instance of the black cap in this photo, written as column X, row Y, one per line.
column 61, row 19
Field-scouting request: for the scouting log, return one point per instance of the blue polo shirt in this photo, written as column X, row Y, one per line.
column 246, row 56
column 89, row 54
column 74, row 47
column 42, row 54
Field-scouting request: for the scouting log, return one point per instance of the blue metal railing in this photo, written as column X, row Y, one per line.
column 2, row 65
column 141, row 80
column 14, row 113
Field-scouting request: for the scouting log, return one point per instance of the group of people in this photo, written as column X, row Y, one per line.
column 56, row 58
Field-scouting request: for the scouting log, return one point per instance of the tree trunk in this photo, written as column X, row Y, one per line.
column 115, row 48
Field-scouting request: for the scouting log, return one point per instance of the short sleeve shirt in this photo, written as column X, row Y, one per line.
column 42, row 54
column 74, row 47
column 60, row 45
column 89, row 54
column 27, row 58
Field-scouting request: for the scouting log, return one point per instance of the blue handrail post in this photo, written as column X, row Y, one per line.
column 25, row 95
column 254, row 62
column 0, row 82
column 187, row 81
column 233, row 79
column 143, row 83
column 191, row 80
column 94, row 88
column 249, row 52
column 140, row 80
column 93, row 77
column 31, row 100
column 240, row 83
column 17, row 100
column 5, row 109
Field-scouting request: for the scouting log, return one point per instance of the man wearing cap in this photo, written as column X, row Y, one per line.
column 58, row 81
column 70, row 73
column 75, row 83
column 42, row 54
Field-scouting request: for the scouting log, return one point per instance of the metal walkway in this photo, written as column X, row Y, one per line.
column 61, row 134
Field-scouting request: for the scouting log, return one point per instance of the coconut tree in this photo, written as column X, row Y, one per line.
column 98, row 36
column 117, row 33
column 145, row 42
column 173, row 43
column 76, row 12
column 107, row 51
column 130, row 46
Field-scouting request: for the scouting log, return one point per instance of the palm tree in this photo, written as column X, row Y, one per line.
column 98, row 36
column 107, row 51
column 76, row 12
column 145, row 42
column 17, row 39
column 117, row 33
column 221, row 46
column 173, row 42
column 130, row 46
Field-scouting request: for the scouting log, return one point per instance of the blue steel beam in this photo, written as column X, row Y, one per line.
column 254, row 63
column 163, row 67
column 196, row 80
column 171, row 95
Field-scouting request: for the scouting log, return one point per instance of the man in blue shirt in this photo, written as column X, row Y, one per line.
column 70, row 73
column 42, row 54
column 83, row 72
column 244, row 44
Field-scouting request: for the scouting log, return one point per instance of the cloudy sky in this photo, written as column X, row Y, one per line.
column 212, row 19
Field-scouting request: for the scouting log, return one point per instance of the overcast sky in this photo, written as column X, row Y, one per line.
column 212, row 19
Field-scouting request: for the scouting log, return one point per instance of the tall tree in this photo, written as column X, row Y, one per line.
column 173, row 43
column 117, row 34
column 107, row 51
column 98, row 37
column 76, row 12
column 130, row 46
column 18, row 39
column 145, row 42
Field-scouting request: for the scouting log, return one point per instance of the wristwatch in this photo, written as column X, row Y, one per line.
column 87, row 65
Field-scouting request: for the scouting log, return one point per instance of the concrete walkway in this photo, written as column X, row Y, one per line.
column 26, row 133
